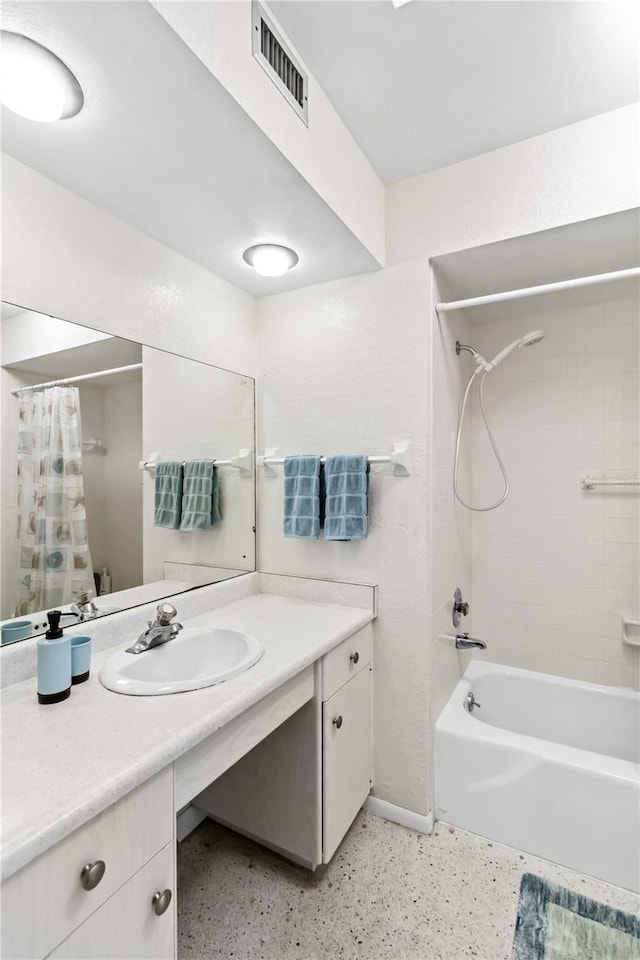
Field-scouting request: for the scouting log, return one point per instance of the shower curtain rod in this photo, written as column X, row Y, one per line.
column 84, row 376
column 535, row 291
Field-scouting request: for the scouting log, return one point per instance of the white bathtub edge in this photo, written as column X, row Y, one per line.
column 406, row 818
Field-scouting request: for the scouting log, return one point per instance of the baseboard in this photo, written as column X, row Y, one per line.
column 187, row 820
column 406, row 818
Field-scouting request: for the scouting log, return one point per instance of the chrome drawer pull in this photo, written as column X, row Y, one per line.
column 337, row 722
column 354, row 657
column 91, row 874
column 160, row 902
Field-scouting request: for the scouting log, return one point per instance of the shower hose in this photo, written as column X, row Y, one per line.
column 456, row 463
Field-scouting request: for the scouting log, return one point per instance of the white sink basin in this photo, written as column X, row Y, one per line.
column 197, row 657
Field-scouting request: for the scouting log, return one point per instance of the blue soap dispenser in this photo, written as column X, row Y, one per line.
column 54, row 662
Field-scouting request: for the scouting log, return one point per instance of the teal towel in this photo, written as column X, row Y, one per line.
column 347, row 480
column 303, row 497
column 200, row 498
column 168, row 494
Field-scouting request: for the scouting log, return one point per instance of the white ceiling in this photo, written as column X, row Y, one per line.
column 433, row 83
column 161, row 145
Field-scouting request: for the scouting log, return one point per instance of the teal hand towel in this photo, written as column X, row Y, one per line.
column 347, row 480
column 168, row 494
column 200, row 497
column 303, row 497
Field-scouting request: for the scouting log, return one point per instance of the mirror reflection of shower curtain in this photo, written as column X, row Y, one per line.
column 54, row 561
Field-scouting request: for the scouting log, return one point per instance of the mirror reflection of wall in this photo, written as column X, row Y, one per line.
column 205, row 418
column 178, row 408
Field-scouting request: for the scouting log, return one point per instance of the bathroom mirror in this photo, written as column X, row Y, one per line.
column 91, row 528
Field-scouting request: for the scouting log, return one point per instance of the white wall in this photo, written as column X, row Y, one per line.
column 63, row 256
column 345, row 370
column 122, row 405
column 555, row 567
column 211, row 416
column 584, row 170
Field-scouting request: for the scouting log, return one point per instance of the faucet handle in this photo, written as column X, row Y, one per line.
column 165, row 613
column 460, row 607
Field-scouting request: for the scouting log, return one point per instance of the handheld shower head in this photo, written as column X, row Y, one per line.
column 529, row 339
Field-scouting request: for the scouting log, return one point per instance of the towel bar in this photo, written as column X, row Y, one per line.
column 591, row 481
column 243, row 462
column 400, row 458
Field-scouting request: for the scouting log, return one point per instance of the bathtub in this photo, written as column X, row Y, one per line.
column 547, row 765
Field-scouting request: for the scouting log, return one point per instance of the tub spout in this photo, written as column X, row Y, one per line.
column 465, row 642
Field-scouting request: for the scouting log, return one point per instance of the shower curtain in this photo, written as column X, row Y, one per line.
column 54, row 562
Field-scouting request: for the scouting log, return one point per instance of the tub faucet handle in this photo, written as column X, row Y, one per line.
column 470, row 702
column 460, row 607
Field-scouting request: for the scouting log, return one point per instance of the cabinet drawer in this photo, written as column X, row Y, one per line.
column 45, row 901
column 346, row 758
column 126, row 926
column 346, row 660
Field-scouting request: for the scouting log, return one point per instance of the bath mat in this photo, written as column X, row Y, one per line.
column 554, row 923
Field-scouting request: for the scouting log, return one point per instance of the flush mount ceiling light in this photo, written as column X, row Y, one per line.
column 399, row 3
column 34, row 83
column 270, row 259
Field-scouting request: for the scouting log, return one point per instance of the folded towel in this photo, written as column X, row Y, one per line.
column 168, row 494
column 347, row 480
column 200, row 506
column 303, row 497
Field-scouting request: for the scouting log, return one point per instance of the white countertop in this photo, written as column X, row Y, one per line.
column 64, row 763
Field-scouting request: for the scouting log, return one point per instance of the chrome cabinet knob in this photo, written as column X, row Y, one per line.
column 160, row 902
column 337, row 722
column 91, row 874
column 354, row 657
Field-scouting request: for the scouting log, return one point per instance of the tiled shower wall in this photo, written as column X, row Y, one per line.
column 555, row 566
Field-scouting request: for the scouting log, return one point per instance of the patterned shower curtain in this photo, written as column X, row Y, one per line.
column 54, row 562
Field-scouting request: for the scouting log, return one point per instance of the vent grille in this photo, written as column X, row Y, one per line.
column 274, row 58
column 279, row 61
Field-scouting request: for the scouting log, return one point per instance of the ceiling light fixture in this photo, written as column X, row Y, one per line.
column 270, row 259
column 34, row 83
column 399, row 3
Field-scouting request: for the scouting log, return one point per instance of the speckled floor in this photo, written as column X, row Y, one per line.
column 389, row 894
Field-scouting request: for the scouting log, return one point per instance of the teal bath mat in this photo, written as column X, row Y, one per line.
column 557, row 924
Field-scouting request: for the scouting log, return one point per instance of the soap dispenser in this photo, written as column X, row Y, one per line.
column 54, row 662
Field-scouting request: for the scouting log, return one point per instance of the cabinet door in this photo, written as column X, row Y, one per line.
column 346, row 750
column 126, row 927
column 125, row 836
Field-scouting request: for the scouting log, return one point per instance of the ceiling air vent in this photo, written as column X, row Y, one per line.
column 271, row 52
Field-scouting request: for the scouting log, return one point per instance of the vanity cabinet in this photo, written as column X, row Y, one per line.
column 346, row 758
column 136, row 922
column 299, row 790
column 74, row 885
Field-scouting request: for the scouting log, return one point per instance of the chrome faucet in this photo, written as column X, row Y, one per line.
column 84, row 608
column 465, row 642
column 159, row 630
